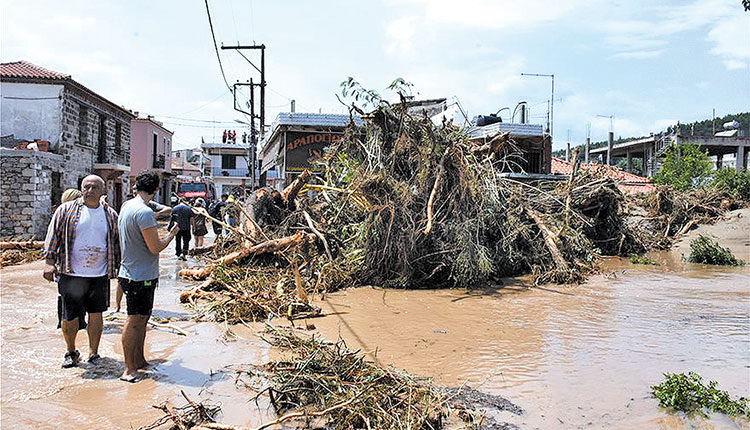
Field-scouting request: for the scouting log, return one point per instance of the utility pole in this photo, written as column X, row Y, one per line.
column 610, row 138
column 262, row 70
column 713, row 120
column 552, row 102
column 587, row 157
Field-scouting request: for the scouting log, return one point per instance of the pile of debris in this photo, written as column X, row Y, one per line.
column 20, row 252
column 667, row 213
column 325, row 385
column 404, row 203
column 191, row 416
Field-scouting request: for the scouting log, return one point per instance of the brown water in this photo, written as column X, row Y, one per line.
column 572, row 357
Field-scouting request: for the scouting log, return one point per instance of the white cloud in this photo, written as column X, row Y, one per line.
column 401, row 33
column 731, row 38
column 638, row 55
column 634, row 36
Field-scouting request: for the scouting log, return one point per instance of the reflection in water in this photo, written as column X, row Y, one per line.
column 571, row 356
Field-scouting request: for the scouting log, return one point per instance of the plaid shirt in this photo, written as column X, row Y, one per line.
column 62, row 232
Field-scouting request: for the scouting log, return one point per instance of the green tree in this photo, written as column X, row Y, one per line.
column 685, row 167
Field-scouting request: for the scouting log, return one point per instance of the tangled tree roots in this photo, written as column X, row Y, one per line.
column 404, row 203
column 345, row 391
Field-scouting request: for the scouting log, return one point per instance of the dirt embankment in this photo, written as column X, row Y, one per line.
column 732, row 233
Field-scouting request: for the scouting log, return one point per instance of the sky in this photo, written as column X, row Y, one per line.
column 646, row 64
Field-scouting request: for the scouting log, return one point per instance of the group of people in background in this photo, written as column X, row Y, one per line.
column 231, row 136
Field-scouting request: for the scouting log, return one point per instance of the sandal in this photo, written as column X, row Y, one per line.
column 94, row 359
column 71, row 359
column 129, row 378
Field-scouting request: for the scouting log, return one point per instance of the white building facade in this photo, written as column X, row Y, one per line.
column 231, row 167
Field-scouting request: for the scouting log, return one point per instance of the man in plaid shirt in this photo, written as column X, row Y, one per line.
column 83, row 247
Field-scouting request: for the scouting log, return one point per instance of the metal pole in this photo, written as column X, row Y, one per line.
column 262, row 88
column 552, row 110
column 250, row 160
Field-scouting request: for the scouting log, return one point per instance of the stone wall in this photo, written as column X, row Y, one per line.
column 26, row 192
column 79, row 145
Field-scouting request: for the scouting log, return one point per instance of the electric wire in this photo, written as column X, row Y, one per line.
column 216, row 48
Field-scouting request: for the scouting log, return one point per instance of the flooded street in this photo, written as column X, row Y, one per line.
column 571, row 356
column 38, row 394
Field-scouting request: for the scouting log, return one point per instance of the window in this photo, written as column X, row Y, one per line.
column 228, row 161
column 155, row 150
column 102, row 150
column 83, row 124
column 118, row 138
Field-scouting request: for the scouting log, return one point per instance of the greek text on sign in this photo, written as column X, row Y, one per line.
column 313, row 138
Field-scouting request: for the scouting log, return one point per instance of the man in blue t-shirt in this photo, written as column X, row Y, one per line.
column 139, row 269
column 182, row 215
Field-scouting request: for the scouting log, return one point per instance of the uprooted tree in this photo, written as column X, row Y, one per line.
column 402, row 202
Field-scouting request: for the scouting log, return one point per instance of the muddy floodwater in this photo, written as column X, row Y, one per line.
column 571, row 356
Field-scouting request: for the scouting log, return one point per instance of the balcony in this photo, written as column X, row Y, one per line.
column 218, row 171
column 159, row 162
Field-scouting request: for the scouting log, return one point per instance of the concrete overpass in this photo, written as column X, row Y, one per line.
column 650, row 149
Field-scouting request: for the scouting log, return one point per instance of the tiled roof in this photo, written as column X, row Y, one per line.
column 627, row 182
column 23, row 69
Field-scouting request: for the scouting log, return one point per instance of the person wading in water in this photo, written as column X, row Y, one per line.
column 83, row 246
column 139, row 271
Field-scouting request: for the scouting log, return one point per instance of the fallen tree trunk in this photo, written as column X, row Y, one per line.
column 549, row 239
column 31, row 244
column 290, row 192
column 280, row 245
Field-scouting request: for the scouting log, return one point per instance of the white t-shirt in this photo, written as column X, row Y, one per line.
column 89, row 254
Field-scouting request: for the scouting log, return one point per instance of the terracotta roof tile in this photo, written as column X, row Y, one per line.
column 23, row 69
column 635, row 183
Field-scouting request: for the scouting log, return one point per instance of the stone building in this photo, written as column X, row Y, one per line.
column 86, row 133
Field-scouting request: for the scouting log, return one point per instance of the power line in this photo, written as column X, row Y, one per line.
column 190, row 125
column 205, row 104
column 216, row 48
column 194, row 119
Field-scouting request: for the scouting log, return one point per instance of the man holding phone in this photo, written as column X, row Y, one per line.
column 139, row 269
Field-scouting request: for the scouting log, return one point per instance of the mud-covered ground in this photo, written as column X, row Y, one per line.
column 570, row 357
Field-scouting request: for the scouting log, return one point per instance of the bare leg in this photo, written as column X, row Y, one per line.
column 132, row 334
column 70, row 329
column 94, row 330
column 118, row 297
column 140, row 359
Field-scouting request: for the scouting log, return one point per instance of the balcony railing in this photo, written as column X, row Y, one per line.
column 159, row 162
column 218, row 171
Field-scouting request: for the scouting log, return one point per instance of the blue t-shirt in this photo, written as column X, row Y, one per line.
column 181, row 214
column 138, row 262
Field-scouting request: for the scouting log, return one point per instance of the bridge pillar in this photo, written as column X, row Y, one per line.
column 610, row 144
column 630, row 162
column 719, row 161
column 739, row 162
column 588, row 147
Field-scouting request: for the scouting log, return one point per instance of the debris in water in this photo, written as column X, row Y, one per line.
column 688, row 393
column 343, row 390
column 707, row 251
column 190, row 416
column 20, row 252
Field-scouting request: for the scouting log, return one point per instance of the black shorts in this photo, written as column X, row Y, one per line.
column 80, row 294
column 139, row 295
